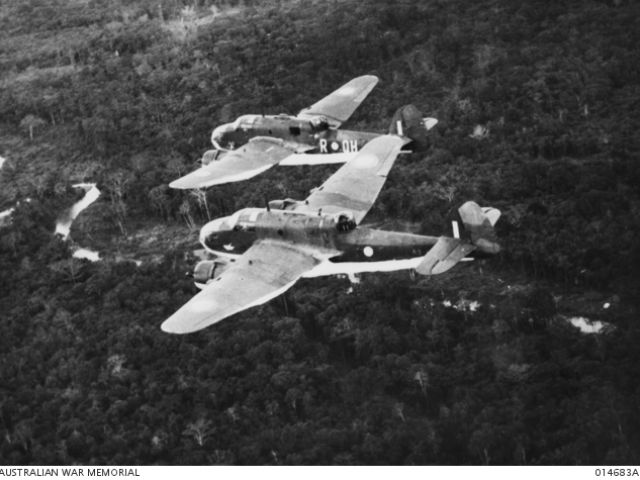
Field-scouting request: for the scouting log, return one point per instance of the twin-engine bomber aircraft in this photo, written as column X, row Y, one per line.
column 312, row 137
column 263, row 252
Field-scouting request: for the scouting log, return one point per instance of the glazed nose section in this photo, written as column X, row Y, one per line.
column 211, row 228
column 218, row 134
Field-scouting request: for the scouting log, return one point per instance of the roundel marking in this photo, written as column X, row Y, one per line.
column 346, row 90
column 368, row 251
column 203, row 305
column 365, row 160
column 335, row 146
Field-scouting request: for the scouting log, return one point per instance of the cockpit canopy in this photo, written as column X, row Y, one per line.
column 244, row 219
column 345, row 221
column 246, row 121
column 219, row 138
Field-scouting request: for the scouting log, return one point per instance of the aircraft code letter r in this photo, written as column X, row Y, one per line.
column 323, row 145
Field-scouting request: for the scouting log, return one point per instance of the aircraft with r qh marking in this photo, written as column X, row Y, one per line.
column 255, row 143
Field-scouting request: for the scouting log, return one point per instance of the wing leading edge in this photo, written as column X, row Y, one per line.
column 263, row 272
column 356, row 185
column 340, row 104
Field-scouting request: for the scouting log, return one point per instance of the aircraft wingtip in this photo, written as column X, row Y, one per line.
column 429, row 122
column 167, row 327
column 179, row 325
column 182, row 184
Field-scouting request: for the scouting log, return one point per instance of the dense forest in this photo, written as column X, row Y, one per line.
column 539, row 109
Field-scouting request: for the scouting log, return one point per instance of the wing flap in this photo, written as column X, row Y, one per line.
column 258, row 155
column 263, row 272
column 340, row 104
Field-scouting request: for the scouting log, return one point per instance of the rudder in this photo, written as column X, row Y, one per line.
column 479, row 223
column 408, row 122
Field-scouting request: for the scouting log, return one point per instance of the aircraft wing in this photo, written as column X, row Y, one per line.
column 256, row 156
column 356, row 185
column 263, row 272
column 339, row 105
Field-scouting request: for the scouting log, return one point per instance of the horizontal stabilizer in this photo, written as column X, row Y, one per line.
column 479, row 223
column 429, row 122
column 444, row 255
column 493, row 214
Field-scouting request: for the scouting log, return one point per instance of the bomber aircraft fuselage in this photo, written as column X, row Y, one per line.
column 290, row 129
column 233, row 235
column 263, row 252
column 254, row 143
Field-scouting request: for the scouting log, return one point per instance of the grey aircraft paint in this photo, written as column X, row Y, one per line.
column 236, row 233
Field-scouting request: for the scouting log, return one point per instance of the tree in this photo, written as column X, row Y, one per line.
column 185, row 211
column 201, row 196
column 199, row 430
column 117, row 184
column 31, row 122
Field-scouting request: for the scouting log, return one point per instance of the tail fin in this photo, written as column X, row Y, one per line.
column 408, row 122
column 479, row 223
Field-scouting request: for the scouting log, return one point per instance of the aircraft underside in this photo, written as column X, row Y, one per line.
column 328, row 267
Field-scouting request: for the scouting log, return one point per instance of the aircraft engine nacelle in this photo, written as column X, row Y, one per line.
column 345, row 221
column 206, row 270
column 319, row 123
column 210, row 156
